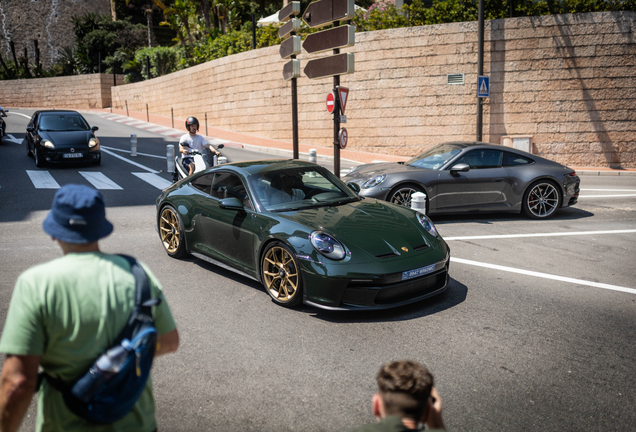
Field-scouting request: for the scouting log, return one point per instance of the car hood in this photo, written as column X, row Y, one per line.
column 375, row 227
column 68, row 139
column 369, row 171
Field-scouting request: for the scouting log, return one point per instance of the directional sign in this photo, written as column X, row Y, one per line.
column 331, row 102
column 323, row 12
column 483, row 86
column 290, row 47
column 337, row 37
column 291, row 69
column 293, row 25
column 339, row 64
column 343, row 138
column 292, row 9
column 343, row 95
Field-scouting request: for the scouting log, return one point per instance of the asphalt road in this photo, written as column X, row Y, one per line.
column 536, row 331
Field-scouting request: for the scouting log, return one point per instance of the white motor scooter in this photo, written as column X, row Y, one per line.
column 202, row 161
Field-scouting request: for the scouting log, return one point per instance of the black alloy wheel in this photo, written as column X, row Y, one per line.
column 38, row 159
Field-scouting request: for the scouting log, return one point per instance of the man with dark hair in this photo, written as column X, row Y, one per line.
column 406, row 399
column 65, row 313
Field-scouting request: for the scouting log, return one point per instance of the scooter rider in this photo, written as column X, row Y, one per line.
column 191, row 141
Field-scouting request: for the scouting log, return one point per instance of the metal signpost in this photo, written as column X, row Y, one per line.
column 319, row 14
column 290, row 48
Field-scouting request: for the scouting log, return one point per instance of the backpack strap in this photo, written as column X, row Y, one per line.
column 143, row 301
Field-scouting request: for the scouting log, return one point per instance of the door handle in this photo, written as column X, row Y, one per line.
column 498, row 180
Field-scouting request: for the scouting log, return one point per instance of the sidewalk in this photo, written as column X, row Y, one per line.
column 236, row 139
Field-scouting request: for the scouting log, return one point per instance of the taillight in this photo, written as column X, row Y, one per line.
column 572, row 174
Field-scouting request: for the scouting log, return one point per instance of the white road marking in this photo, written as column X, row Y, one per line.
column 20, row 114
column 546, row 276
column 129, row 161
column 42, row 180
column 606, row 196
column 154, row 180
column 128, row 151
column 11, row 138
column 503, row 236
column 99, row 180
column 610, row 190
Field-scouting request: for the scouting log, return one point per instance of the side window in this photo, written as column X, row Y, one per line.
column 511, row 159
column 481, row 159
column 203, row 183
column 226, row 185
column 34, row 120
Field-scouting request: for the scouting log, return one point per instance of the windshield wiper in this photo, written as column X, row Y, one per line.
column 342, row 201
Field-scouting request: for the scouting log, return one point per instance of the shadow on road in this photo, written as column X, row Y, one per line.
column 568, row 213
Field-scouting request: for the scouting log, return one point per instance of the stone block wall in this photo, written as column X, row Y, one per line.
column 47, row 21
column 76, row 92
column 568, row 81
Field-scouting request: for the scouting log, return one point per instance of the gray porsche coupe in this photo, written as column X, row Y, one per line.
column 472, row 176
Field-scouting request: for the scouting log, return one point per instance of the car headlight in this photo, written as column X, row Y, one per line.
column 47, row 143
column 374, row 181
column 327, row 245
column 427, row 224
column 93, row 142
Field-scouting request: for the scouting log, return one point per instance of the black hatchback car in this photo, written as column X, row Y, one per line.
column 58, row 136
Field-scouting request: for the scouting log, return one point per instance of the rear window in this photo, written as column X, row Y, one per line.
column 511, row 159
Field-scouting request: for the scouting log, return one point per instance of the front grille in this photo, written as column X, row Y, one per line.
column 411, row 289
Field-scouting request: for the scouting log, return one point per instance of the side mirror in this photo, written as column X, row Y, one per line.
column 30, row 129
column 94, row 128
column 231, row 204
column 460, row 167
column 354, row 187
column 220, row 146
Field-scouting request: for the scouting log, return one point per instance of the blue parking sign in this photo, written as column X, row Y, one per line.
column 483, row 86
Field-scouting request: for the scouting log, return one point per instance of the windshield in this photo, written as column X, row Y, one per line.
column 436, row 157
column 63, row 122
column 299, row 188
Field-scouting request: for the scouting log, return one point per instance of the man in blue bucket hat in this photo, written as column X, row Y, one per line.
column 66, row 312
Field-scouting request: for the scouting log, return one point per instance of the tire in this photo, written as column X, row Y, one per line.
column 171, row 232
column 98, row 162
column 28, row 148
column 38, row 160
column 281, row 276
column 401, row 195
column 541, row 200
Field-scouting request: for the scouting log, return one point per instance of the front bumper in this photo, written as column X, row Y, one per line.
column 57, row 155
column 371, row 291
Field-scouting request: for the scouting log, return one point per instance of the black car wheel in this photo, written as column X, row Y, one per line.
column 281, row 275
column 401, row 195
column 28, row 147
column 541, row 200
column 98, row 161
column 38, row 160
column 171, row 232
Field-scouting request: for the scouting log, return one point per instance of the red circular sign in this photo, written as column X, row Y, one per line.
column 331, row 102
column 343, row 138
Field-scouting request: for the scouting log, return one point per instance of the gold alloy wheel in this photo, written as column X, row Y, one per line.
column 280, row 274
column 169, row 230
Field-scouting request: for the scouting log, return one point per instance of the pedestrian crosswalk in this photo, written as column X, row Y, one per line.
column 44, row 180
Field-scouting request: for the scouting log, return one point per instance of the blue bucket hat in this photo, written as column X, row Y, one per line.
column 78, row 215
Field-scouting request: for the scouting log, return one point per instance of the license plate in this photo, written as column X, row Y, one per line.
column 72, row 155
column 417, row 272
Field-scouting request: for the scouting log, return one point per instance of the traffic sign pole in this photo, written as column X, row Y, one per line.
column 336, row 120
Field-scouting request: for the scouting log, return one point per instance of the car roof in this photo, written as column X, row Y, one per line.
column 57, row 112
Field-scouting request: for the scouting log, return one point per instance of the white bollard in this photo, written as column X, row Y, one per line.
column 418, row 202
column 133, row 145
column 170, row 156
column 312, row 155
column 222, row 160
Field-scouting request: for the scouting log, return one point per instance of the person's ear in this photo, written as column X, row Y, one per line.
column 378, row 406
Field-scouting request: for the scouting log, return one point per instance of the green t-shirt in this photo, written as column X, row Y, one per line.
column 69, row 311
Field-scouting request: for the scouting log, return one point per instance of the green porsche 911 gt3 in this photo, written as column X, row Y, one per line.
column 305, row 235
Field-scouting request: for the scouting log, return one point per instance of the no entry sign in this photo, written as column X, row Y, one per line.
column 331, row 102
column 343, row 138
